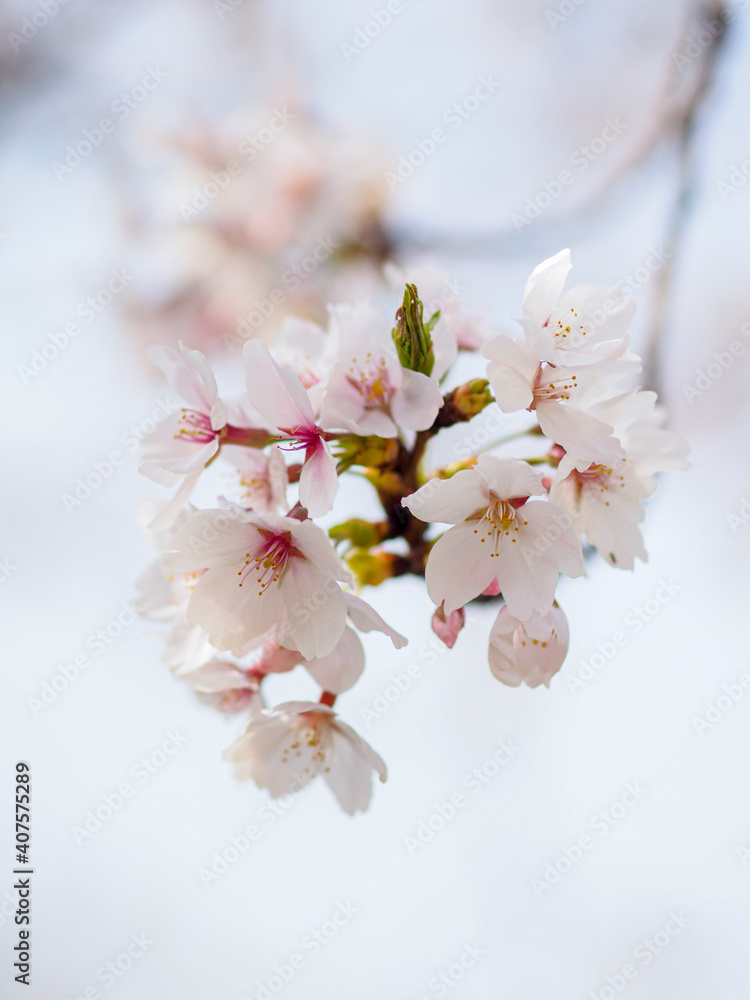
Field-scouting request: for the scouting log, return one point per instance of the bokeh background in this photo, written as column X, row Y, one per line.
column 669, row 188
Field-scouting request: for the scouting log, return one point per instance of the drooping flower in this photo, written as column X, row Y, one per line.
column 499, row 533
column 229, row 687
column 529, row 652
column 369, row 392
column 606, row 504
column 163, row 597
column 262, row 571
column 281, row 399
column 284, row 748
column 263, row 477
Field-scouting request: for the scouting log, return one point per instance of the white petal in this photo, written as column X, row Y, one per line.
column 511, row 371
column 459, row 567
column 449, row 500
column 584, row 437
column 509, row 478
column 366, row 619
column 415, row 406
column 314, row 610
column 342, row 668
column 350, row 774
column 183, row 378
column 219, row 675
column 544, row 287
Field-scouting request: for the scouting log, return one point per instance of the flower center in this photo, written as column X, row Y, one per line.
column 310, row 734
column 270, row 560
column 299, row 438
column 553, row 383
column 195, row 427
column 371, row 382
column 598, row 478
column 498, row 520
column 567, row 329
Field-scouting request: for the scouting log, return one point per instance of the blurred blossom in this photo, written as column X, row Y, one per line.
column 266, row 216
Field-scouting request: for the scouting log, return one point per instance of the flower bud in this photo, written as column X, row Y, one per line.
column 411, row 334
column 467, row 400
column 371, row 568
column 370, row 452
column 362, row 534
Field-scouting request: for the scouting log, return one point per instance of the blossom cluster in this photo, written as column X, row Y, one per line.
column 256, row 586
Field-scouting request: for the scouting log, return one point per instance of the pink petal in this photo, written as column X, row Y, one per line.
column 318, row 482
column 276, row 393
column 447, row 627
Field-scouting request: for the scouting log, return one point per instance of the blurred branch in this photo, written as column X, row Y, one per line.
column 684, row 126
column 677, row 111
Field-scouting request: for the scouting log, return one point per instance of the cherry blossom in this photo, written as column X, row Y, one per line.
column 309, row 351
column 369, row 392
column 229, row 687
column 255, row 594
column 528, row 652
column 606, row 504
column 498, row 533
column 586, row 325
column 263, row 477
column 281, row 399
column 163, row 598
column 187, row 440
column 284, row 748
column 261, row 571
column 573, row 351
